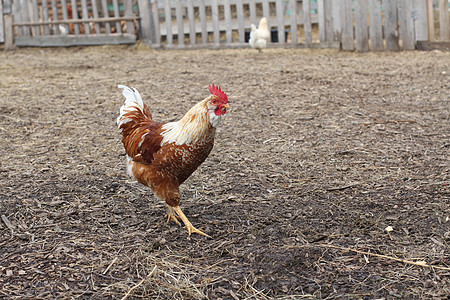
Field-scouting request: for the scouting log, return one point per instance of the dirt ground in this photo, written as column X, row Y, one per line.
column 321, row 152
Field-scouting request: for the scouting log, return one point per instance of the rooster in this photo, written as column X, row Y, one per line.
column 163, row 155
column 259, row 36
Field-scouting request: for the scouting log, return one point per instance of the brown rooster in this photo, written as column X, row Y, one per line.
column 163, row 155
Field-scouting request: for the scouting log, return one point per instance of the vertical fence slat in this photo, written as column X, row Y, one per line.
column 376, row 28
column 293, row 11
column 336, row 15
column 190, row 7
column 321, row 12
column 117, row 14
column 168, row 18
column 128, row 12
column 227, row 13
column 34, row 17
column 180, row 25
column 240, row 17
column 307, row 21
column 155, row 25
column 105, row 15
column 55, row 17
column 252, row 6
column 329, row 30
column 202, row 13
column 266, row 12
column 45, row 16
column 390, row 24
column 420, row 20
column 2, row 32
column 362, row 41
column 406, row 29
column 215, row 20
column 74, row 16
column 430, row 12
column 444, row 25
column 347, row 25
column 145, row 7
column 85, row 16
column 95, row 15
column 280, row 21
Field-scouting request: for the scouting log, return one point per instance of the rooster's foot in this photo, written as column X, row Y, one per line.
column 191, row 229
column 171, row 216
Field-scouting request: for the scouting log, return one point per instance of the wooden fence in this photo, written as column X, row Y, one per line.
column 71, row 22
column 362, row 25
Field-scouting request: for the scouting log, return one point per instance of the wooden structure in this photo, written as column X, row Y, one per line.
column 362, row 25
column 72, row 22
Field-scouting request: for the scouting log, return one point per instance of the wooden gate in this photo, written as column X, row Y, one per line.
column 74, row 22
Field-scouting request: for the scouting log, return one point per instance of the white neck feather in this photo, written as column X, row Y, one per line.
column 195, row 125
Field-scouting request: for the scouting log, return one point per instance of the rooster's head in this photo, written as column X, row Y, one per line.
column 218, row 101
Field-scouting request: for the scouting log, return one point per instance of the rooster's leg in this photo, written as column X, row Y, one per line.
column 171, row 215
column 189, row 226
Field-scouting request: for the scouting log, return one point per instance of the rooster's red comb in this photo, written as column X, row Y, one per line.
column 215, row 90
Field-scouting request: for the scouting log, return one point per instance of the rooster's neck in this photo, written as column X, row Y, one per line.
column 194, row 126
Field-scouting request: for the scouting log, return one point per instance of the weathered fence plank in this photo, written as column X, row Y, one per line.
column 347, row 25
column 329, row 30
column 420, row 20
column 430, row 13
column 215, row 20
column 307, row 21
column 191, row 17
column 105, row 14
column 406, row 24
column 361, row 34
column 2, row 31
column 444, row 25
column 168, row 17
column 240, row 18
column 321, row 12
column 391, row 24
column 252, row 7
column 376, row 27
column 179, row 15
column 293, row 11
column 227, row 14
column 280, row 21
column 202, row 13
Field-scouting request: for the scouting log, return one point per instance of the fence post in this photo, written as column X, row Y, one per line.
column 7, row 16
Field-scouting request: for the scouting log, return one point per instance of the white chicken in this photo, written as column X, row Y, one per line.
column 259, row 36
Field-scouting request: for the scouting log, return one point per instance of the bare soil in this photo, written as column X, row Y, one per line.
column 321, row 152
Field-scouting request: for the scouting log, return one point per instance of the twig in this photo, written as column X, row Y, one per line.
column 137, row 285
column 388, row 122
column 337, row 188
column 107, row 269
column 8, row 223
column 420, row 263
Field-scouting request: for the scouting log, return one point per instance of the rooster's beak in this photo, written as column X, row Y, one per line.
column 227, row 106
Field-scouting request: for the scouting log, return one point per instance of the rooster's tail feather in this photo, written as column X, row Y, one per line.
column 133, row 103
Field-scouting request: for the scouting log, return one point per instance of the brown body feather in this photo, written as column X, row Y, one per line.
column 163, row 167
